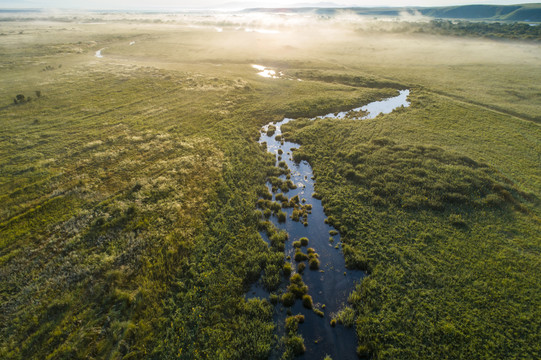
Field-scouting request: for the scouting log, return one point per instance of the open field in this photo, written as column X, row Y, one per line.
column 128, row 184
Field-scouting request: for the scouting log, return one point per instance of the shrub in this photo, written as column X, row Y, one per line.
column 281, row 216
column 307, row 301
column 295, row 344
column 363, row 351
column 314, row 264
column 457, row 220
column 292, row 324
column 20, row 98
column 300, row 267
column 333, row 322
column 278, row 240
column 287, row 269
column 288, row 299
column 266, row 226
column 291, row 185
column 264, row 193
column 300, row 256
column 271, row 130
column 271, row 278
column 297, row 286
column 297, row 290
column 276, row 207
column 274, row 180
column 296, row 279
column 333, row 232
column 273, row 298
column 304, row 241
column 319, row 312
column 296, row 244
column 346, row 316
column 261, row 203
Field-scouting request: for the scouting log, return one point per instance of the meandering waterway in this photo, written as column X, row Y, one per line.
column 330, row 285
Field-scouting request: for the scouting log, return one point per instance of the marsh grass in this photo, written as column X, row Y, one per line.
column 410, row 210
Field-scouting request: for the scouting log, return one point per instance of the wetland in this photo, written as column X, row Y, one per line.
column 175, row 200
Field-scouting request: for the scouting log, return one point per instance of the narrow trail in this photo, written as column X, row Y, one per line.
column 461, row 100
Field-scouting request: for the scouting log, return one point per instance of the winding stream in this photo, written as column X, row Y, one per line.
column 331, row 284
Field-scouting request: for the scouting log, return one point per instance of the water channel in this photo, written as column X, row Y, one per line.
column 331, row 284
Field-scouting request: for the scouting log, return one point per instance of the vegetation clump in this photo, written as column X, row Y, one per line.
column 287, row 269
column 294, row 343
column 278, row 239
column 297, row 286
column 264, row 193
column 282, row 198
column 314, row 263
column 300, row 256
column 288, row 299
column 271, row 130
column 307, row 301
column 21, row 99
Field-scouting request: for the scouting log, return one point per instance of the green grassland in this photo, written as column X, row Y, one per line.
column 450, row 242
column 128, row 225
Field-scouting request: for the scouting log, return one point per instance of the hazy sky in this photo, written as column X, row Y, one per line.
column 156, row 4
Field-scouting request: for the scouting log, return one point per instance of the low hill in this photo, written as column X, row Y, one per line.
column 525, row 12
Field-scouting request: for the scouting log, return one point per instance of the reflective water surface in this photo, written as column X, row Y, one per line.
column 330, row 285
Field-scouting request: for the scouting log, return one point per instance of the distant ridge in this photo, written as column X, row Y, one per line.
column 525, row 12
